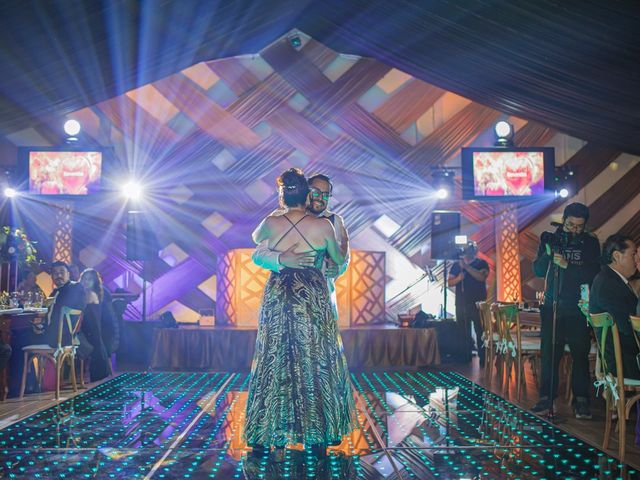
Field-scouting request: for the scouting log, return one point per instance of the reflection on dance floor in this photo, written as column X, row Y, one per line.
column 418, row 425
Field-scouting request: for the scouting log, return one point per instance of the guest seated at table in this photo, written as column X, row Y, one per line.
column 45, row 330
column 68, row 294
column 29, row 285
column 99, row 365
column 612, row 293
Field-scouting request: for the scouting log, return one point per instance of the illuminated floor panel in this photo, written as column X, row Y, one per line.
column 419, row 425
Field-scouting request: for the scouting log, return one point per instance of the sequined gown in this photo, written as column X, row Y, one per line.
column 300, row 391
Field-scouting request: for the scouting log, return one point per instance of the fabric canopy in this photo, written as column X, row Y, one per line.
column 570, row 65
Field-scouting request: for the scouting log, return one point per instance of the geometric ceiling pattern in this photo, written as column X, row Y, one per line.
column 211, row 140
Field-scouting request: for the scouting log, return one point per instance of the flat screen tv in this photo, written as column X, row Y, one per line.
column 506, row 174
column 63, row 171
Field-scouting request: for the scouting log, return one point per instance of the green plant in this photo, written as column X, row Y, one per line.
column 15, row 244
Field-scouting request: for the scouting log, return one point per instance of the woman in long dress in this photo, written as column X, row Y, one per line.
column 91, row 326
column 299, row 391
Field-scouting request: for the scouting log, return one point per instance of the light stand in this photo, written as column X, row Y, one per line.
column 443, row 312
column 551, row 417
column 465, row 326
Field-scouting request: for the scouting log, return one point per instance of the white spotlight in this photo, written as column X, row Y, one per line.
column 10, row 192
column 442, row 193
column 72, row 127
column 564, row 193
column 504, row 134
column 132, row 190
column 503, row 129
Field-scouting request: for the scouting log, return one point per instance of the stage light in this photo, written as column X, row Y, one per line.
column 442, row 193
column 460, row 239
column 132, row 190
column 503, row 129
column 565, row 182
column 72, row 127
column 443, row 183
column 295, row 41
column 10, row 192
column 504, row 134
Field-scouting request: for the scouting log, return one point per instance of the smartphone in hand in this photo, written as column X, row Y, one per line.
column 584, row 293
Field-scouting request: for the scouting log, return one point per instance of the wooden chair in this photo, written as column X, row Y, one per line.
column 490, row 337
column 515, row 348
column 71, row 320
column 500, row 343
column 615, row 385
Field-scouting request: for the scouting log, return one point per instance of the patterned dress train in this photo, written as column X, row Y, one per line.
column 300, row 391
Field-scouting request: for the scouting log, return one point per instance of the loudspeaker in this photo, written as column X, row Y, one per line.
column 444, row 227
column 452, row 341
column 142, row 243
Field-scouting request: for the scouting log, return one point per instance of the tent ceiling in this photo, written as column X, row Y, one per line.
column 570, row 65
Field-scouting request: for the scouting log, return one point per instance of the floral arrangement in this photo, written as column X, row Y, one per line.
column 15, row 245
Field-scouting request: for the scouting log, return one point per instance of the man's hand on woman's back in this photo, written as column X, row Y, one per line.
column 289, row 258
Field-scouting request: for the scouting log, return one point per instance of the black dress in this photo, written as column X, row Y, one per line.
column 99, row 366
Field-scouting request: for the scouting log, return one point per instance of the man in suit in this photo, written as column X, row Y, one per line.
column 612, row 293
column 321, row 189
column 68, row 294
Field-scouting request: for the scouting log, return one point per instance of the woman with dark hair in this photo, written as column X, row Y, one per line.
column 91, row 327
column 299, row 390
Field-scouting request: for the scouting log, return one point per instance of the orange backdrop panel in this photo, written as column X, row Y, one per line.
column 360, row 290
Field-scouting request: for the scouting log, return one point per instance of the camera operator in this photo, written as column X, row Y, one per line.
column 571, row 255
column 469, row 275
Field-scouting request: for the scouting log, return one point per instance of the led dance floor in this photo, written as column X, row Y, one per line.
column 419, row 425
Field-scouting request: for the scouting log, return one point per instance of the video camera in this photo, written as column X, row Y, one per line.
column 557, row 240
column 462, row 244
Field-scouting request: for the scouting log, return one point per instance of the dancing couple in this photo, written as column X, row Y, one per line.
column 299, row 391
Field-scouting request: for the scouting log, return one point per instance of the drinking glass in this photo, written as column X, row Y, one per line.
column 38, row 298
column 14, row 300
column 27, row 300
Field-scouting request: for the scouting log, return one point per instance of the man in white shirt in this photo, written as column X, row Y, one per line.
column 321, row 189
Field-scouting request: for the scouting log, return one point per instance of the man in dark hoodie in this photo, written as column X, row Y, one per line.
column 571, row 255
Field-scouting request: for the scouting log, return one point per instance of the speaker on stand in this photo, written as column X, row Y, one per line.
column 142, row 245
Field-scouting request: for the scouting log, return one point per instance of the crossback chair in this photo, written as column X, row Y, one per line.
column 490, row 337
column 516, row 348
column 500, row 343
column 615, row 385
column 71, row 320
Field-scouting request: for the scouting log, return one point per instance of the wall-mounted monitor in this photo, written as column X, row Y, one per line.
column 507, row 174
column 62, row 171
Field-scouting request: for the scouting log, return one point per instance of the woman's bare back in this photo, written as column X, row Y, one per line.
column 315, row 230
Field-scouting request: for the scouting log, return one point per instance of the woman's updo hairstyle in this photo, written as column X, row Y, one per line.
column 293, row 187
